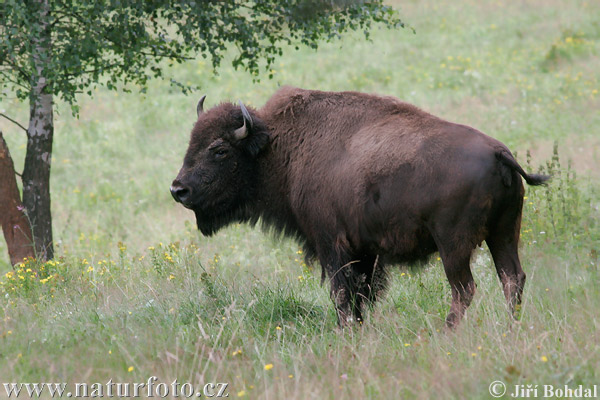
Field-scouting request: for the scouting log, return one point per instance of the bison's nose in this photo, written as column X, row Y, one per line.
column 180, row 193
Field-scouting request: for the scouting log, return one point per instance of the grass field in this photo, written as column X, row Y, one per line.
column 136, row 291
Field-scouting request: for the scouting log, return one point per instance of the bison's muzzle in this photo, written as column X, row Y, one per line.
column 180, row 193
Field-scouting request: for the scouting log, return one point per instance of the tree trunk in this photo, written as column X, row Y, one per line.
column 15, row 225
column 36, row 174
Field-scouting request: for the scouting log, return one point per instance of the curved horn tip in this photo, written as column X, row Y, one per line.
column 200, row 106
column 246, row 114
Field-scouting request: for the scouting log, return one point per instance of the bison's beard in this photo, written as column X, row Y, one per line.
column 211, row 218
column 209, row 224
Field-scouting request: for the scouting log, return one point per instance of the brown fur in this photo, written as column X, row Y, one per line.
column 363, row 181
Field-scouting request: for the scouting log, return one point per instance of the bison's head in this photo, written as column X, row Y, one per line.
column 218, row 177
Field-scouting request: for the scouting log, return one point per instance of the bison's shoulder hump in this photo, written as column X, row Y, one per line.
column 285, row 101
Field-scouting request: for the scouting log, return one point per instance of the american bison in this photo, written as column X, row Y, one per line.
column 363, row 181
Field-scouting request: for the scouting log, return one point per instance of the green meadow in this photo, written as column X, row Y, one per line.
column 136, row 291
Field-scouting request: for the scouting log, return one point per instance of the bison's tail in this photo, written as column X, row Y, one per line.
column 507, row 159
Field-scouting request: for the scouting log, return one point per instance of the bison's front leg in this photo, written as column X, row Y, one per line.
column 344, row 291
column 354, row 285
column 336, row 261
column 370, row 279
column 341, row 297
column 350, row 277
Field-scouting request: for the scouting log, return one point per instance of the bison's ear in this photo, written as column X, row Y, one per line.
column 256, row 141
column 200, row 106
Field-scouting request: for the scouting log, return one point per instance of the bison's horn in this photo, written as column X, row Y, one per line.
column 200, row 106
column 242, row 132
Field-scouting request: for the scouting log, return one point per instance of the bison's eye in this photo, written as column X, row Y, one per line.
column 220, row 152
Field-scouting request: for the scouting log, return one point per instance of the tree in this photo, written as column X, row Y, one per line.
column 12, row 218
column 60, row 48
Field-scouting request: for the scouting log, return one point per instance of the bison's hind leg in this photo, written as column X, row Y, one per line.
column 458, row 271
column 455, row 252
column 503, row 242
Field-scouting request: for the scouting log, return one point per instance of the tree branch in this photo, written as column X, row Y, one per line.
column 7, row 78
column 90, row 29
column 12, row 63
column 13, row 121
